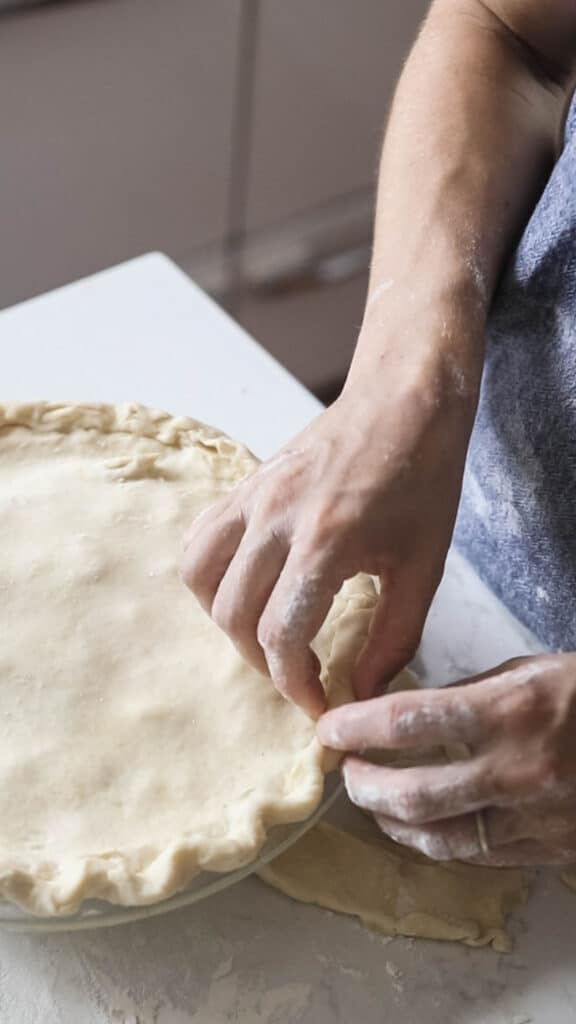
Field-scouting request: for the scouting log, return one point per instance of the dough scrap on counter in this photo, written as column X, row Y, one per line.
column 397, row 892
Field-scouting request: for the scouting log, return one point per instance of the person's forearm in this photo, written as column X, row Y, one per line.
column 471, row 138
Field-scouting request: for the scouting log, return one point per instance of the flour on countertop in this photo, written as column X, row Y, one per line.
column 105, row 977
column 353, row 972
column 229, row 995
column 393, row 970
column 396, row 974
column 98, row 974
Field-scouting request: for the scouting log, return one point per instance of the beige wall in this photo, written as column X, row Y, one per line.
column 115, row 128
column 114, row 134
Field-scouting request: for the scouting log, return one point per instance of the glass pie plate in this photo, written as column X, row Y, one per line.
column 100, row 914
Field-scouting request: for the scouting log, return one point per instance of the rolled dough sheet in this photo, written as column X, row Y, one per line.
column 396, row 892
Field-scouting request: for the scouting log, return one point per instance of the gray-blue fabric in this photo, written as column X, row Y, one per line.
column 517, row 518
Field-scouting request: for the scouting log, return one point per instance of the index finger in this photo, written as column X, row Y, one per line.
column 400, row 721
column 293, row 616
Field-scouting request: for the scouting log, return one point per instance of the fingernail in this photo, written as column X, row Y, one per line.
column 347, row 784
column 329, row 733
column 351, row 789
column 361, row 796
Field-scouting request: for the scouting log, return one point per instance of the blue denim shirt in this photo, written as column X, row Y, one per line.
column 517, row 518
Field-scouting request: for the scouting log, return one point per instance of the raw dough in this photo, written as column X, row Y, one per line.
column 396, row 892
column 136, row 747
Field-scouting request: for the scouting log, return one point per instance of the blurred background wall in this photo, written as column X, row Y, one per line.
column 240, row 137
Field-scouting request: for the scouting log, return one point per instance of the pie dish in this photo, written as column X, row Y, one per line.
column 137, row 749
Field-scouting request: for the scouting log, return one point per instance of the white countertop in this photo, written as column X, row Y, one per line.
column 144, row 332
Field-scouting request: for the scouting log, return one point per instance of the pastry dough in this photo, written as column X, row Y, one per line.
column 136, row 747
column 395, row 891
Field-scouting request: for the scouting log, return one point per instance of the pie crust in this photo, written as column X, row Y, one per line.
column 136, row 747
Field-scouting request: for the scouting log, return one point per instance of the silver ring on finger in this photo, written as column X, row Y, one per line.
column 482, row 833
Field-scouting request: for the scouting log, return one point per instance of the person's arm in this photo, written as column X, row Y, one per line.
column 473, row 131
column 474, row 128
column 454, row 191
column 373, row 483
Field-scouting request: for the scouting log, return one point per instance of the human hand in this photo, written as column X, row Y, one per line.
column 372, row 485
column 517, row 721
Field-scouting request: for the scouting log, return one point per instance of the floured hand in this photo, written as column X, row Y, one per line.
column 518, row 723
column 371, row 486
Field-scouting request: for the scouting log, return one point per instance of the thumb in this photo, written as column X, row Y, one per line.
column 396, row 628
